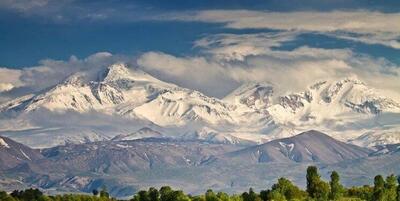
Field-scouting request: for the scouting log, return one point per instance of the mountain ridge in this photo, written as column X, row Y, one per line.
column 13, row 154
column 124, row 165
column 252, row 113
column 310, row 146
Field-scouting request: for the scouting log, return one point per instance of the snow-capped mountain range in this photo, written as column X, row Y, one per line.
column 121, row 102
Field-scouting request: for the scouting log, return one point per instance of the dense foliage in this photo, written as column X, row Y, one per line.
column 284, row 190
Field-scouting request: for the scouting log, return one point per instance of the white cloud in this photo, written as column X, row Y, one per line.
column 226, row 61
column 50, row 72
column 6, row 87
column 73, row 11
column 252, row 57
column 297, row 68
column 225, row 65
column 387, row 39
column 23, row 5
column 198, row 73
column 373, row 27
column 353, row 21
column 10, row 76
column 232, row 47
column 237, row 47
column 58, row 11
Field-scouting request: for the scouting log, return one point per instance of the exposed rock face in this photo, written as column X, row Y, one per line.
column 310, row 146
column 13, row 154
column 253, row 112
column 193, row 165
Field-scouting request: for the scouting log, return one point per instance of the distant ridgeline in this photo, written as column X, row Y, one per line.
column 317, row 190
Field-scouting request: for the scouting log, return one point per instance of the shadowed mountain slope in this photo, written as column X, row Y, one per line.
column 310, row 146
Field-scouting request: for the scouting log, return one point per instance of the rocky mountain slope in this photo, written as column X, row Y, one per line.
column 13, row 154
column 193, row 165
column 121, row 157
column 131, row 93
column 119, row 101
column 310, row 146
column 144, row 132
column 346, row 109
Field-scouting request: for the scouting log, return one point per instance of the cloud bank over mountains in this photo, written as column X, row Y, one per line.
column 249, row 48
column 224, row 62
column 239, row 62
column 49, row 72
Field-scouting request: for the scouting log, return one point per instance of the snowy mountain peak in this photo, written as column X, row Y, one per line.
column 134, row 94
column 75, row 79
column 341, row 87
column 119, row 68
column 350, row 93
column 349, row 80
column 255, row 95
column 83, row 92
column 115, row 72
column 338, row 83
column 123, row 76
column 310, row 146
column 253, row 112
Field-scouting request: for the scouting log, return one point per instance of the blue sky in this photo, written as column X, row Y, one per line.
column 29, row 36
column 360, row 36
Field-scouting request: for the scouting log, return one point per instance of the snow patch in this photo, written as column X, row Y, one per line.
column 123, row 146
column 26, row 156
column 3, row 143
column 343, row 109
column 308, row 151
column 290, row 146
column 287, row 148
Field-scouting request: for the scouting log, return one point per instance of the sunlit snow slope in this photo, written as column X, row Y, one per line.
column 129, row 103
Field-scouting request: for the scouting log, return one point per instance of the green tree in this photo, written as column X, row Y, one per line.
column 142, row 196
column 95, row 192
column 199, row 198
column 379, row 189
column 316, row 188
column 286, row 188
column 250, row 196
column 391, row 188
column 27, row 195
column 223, row 196
column 104, row 193
column 166, row 193
column 398, row 188
column 322, row 190
column 336, row 188
column 210, row 196
column 153, row 194
column 5, row 197
column 236, row 198
column 312, row 178
column 365, row 192
column 179, row 196
column 264, row 195
column 44, row 198
column 276, row 196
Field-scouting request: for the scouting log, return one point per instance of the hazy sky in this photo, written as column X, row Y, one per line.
column 212, row 46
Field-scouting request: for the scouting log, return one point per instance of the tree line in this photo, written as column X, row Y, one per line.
column 384, row 189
